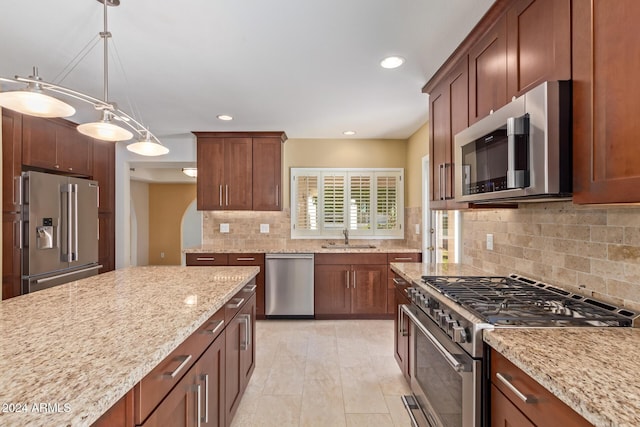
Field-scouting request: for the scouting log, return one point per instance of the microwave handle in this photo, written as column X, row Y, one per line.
column 517, row 127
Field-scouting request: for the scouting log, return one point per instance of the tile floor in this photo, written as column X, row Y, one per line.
column 325, row 373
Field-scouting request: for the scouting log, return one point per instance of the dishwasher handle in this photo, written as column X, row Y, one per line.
column 288, row 256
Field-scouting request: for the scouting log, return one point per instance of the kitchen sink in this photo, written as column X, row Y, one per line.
column 348, row 246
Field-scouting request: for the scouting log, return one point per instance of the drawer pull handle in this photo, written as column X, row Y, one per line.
column 506, row 380
column 246, row 259
column 399, row 281
column 237, row 304
column 205, row 258
column 403, row 259
column 250, row 288
column 215, row 328
column 184, row 361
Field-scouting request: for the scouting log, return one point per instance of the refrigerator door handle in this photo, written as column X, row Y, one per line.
column 67, row 189
column 75, row 222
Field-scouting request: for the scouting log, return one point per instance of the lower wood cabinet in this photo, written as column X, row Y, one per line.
column 350, row 285
column 518, row 400
column 245, row 259
column 202, row 381
column 401, row 328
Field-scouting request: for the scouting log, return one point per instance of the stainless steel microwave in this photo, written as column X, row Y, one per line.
column 520, row 152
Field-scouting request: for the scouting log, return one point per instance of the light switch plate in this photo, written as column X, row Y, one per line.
column 417, row 228
column 264, row 228
column 224, row 228
column 489, row 242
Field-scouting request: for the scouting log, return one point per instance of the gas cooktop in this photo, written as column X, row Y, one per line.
column 519, row 301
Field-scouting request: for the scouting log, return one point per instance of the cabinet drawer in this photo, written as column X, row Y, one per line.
column 246, row 259
column 156, row 385
column 350, row 258
column 541, row 407
column 238, row 301
column 207, row 259
column 404, row 257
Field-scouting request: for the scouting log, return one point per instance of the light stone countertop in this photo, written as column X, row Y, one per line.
column 302, row 249
column 593, row 370
column 83, row 345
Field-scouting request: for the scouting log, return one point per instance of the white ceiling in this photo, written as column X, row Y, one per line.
column 308, row 67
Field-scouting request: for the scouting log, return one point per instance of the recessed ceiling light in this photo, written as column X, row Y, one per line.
column 349, row 132
column 224, row 117
column 392, row 62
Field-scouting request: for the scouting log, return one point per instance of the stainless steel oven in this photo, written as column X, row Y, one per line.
column 445, row 381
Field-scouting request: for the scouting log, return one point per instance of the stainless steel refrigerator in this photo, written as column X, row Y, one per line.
column 60, row 230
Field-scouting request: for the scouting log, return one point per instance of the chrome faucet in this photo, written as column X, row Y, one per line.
column 346, row 235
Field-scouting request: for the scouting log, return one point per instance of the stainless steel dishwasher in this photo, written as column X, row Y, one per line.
column 289, row 286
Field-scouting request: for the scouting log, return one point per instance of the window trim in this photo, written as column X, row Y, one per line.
column 373, row 232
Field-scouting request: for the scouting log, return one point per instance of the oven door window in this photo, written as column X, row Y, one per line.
column 445, row 378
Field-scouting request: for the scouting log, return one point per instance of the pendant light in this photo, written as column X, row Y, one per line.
column 148, row 147
column 190, row 172
column 33, row 102
column 104, row 129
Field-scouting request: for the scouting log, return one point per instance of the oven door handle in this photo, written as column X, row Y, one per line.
column 459, row 367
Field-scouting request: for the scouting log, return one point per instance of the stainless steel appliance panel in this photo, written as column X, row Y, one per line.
column 289, row 285
column 60, row 216
column 445, row 381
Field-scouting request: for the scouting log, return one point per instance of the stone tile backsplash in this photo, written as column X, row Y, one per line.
column 587, row 250
column 244, row 231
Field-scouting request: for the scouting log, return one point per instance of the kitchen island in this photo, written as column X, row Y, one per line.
column 69, row 353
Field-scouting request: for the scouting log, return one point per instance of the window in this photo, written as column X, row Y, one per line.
column 369, row 202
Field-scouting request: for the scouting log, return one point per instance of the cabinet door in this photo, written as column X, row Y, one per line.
column 606, row 99
column 331, row 294
column 401, row 334
column 238, row 155
column 210, row 181
column 234, row 336
column 11, row 160
column 539, row 43
column 119, row 415
column 211, row 377
column 369, row 289
column 75, row 150
column 488, row 72
column 11, row 280
column 180, row 407
column 248, row 348
column 449, row 115
column 267, row 174
column 39, row 145
column 504, row 413
column 106, row 241
column 104, row 164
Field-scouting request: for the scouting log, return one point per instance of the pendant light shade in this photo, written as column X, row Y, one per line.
column 33, row 102
column 147, row 147
column 104, row 130
column 190, row 172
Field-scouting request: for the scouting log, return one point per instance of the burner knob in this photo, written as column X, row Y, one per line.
column 460, row 334
column 436, row 314
column 451, row 324
column 443, row 317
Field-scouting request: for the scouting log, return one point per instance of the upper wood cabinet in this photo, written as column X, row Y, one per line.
column 488, row 72
column 11, row 160
column 104, row 167
column 449, row 102
column 55, row 144
column 538, row 44
column 606, row 100
column 239, row 170
column 267, row 174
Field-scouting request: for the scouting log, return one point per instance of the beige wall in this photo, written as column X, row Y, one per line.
column 341, row 153
column 417, row 148
column 588, row 250
column 167, row 204
column 140, row 204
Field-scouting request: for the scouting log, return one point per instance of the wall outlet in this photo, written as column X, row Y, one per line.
column 161, row 254
column 417, row 228
column 264, row 228
column 489, row 242
column 224, row 228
